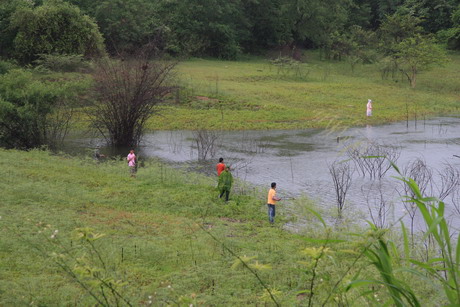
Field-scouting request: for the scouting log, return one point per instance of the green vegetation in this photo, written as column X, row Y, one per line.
column 256, row 94
column 56, row 27
column 326, row 59
column 36, row 110
column 76, row 231
column 218, row 28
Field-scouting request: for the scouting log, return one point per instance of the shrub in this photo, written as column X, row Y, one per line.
column 34, row 112
column 55, row 27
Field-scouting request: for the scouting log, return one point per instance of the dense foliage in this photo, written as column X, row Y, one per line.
column 34, row 112
column 55, row 27
column 216, row 28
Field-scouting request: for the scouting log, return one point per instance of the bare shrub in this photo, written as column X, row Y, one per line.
column 342, row 175
column 449, row 179
column 377, row 203
column 419, row 171
column 206, row 142
column 126, row 92
column 373, row 159
column 456, row 200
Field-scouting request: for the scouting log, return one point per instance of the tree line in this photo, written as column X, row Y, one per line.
column 216, row 28
column 403, row 36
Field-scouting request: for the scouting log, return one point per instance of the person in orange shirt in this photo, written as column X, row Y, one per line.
column 220, row 166
column 271, row 202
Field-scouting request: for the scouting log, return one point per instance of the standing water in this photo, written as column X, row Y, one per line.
column 299, row 160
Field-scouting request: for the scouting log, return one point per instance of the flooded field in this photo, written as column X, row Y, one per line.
column 300, row 160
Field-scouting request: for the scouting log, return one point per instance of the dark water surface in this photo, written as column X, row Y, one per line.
column 298, row 159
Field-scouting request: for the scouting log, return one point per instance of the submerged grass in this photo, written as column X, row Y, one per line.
column 252, row 94
column 168, row 240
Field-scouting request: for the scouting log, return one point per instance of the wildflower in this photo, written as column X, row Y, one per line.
column 169, row 286
column 56, row 231
column 321, row 280
column 53, row 236
column 150, row 302
column 150, row 297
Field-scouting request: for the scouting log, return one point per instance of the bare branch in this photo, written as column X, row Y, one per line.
column 127, row 91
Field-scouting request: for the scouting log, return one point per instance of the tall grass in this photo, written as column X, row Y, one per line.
column 77, row 232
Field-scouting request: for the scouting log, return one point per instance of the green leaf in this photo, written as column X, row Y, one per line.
column 405, row 241
column 318, row 216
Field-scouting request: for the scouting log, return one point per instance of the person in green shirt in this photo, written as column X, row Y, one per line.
column 225, row 183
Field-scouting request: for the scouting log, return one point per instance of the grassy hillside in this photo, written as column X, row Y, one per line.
column 254, row 94
column 75, row 232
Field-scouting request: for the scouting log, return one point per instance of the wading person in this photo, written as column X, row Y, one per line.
column 225, row 183
column 271, row 202
column 220, row 166
column 132, row 163
column 369, row 108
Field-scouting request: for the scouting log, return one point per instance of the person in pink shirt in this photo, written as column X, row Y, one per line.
column 132, row 163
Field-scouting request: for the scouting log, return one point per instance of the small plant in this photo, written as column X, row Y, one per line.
column 342, row 175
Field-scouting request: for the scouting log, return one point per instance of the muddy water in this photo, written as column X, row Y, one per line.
column 298, row 159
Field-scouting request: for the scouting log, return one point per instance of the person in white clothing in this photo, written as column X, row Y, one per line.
column 369, row 108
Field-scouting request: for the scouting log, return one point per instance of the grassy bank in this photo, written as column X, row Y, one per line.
column 254, row 94
column 74, row 230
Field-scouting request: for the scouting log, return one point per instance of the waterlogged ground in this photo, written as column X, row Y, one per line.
column 298, row 161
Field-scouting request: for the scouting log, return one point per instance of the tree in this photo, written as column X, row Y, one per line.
column 407, row 49
column 127, row 25
column 35, row 112
column 315, row 21
column 356, row 45
column 126, row 92
column 395, row 29
column 212, row 28
column 7, row 32
column 416, row 53
column 56, row 27
column 451, row 36
column 381, row 9
column 434, row 14
column 266, row 25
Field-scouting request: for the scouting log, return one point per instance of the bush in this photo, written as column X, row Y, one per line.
column 62, row 63
column 5, row 66
column 34, row 112
column 55, row 27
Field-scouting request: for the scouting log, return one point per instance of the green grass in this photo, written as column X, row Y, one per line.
column 252, row 94
column 158, row 230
